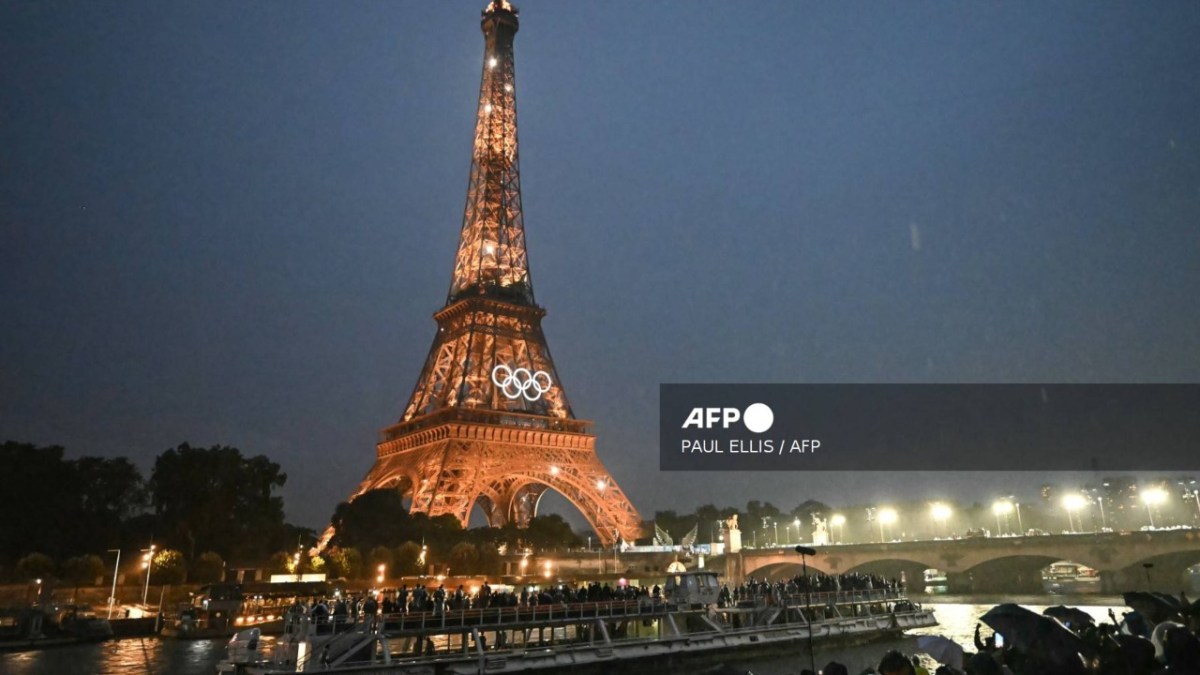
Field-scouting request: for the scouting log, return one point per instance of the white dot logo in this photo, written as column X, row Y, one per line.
column 758, row 417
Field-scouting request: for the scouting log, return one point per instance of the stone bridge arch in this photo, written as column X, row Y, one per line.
column 1168, row 573
column 1015, row 573
column 911, row 571
column 780, row 571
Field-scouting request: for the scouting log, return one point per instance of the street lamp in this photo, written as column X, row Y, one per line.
column 887, row 516
column 382, row 570
column 838, row 520
column 147, row 562
column 796, row 522
column 940, row 512
column 1072, row 503
column 112, row 598
column 1153, row 497
column 1001, row 508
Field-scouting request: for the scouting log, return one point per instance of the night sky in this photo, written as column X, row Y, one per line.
column 230, row 222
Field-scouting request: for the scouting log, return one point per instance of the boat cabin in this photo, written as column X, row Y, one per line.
column 698, row 587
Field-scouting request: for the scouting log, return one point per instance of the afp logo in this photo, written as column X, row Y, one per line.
column 758, row 417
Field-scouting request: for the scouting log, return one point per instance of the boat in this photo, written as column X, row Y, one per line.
column 37, row 627
column 1069, row 577
column 220, row 610
column 935, row 577
column 687, row 624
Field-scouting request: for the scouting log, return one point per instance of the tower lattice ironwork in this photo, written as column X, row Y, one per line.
column 488, row 422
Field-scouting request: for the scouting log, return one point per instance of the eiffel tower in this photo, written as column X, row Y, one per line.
column 488, row 422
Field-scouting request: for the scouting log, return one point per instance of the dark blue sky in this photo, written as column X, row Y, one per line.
column 230, row 222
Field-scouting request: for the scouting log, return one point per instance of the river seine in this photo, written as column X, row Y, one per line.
column 957, row 621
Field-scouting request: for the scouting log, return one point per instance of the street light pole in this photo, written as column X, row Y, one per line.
column 149, row 564
column 1020, row 525
column 112, row 598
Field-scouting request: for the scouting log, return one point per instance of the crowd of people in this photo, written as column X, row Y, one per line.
column 1131, row 645
column 755, row 589
column 348, row 609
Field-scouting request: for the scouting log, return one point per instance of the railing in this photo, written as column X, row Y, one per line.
column 826, row 597
column 495, row 616
column 484, row 416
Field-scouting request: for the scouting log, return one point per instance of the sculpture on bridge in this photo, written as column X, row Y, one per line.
column 733, row 535
column 820, row 536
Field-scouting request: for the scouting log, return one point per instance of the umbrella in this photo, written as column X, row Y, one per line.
column 1155, row 607
column 1074, row 618
column 1030, row 632
column 943, row 650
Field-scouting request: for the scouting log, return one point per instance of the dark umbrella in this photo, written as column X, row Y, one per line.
column 1030, row 632
column 1074, row 618
column 1155, row 607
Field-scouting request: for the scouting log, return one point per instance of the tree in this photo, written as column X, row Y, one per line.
column 550, row 532
column 67, row 507
column 343, row 563
column 216, row 499
column 110, row 491
column 169, row 567
column 406, row 559
column 35, row 566
column 380, row 555
column 464, row 557
column 374, row 518
column 280, row 562
column 83, row 570
column 208, row 568
column 37, row 486
column 379, row 518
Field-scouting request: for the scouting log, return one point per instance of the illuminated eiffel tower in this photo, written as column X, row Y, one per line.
column 488, row 422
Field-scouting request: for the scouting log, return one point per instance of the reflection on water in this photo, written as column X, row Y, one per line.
column 199, row 657
column 140, row 656
column 957, row 620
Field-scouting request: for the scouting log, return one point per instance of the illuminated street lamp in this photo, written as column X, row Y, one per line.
column 546, row 568
column 1072, row 503
column 887, row 516
column 147, row 562
column 1017, row 507
column 838, row 520
column 796, row 523
column 1153, row 497
column 1001, row 508
column 940, row 512
column 382, row 570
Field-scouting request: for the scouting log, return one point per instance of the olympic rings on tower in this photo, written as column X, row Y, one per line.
column 517, row 383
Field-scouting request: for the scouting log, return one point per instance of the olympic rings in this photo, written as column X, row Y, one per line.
column 517, row 383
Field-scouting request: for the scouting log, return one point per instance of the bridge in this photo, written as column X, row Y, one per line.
column 1001, row 564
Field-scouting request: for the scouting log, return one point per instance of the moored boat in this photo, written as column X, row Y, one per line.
column 686, row 625
column 220, row 610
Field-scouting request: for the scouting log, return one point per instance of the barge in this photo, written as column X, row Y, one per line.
column 687, row 626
